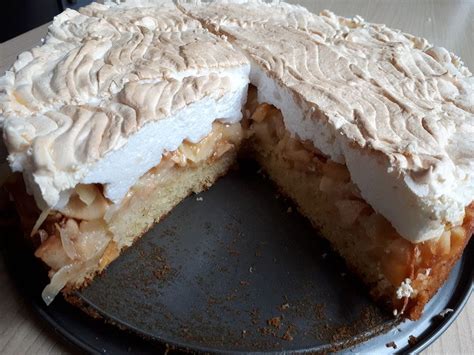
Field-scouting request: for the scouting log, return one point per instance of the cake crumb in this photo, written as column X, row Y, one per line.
column 391, row 345
column 275, row 322
column 405, row 289
column 265, row 331
column 254, row 316
column 162, row 272
column 289, row 210
column 445, row 311
column 412, row 340
column 287, row 336
column 199, row 199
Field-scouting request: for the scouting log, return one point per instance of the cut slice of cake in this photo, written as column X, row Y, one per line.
column 369, row 130
column 113, row 121
column 128, row 108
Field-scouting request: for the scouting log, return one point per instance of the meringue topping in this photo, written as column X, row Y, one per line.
column 398, row 111
column 115, row 83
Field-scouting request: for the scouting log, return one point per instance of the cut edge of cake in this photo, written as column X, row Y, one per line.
column 415, row 271
column 401, row 275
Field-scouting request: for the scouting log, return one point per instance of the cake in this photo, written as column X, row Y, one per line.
column 128, row 108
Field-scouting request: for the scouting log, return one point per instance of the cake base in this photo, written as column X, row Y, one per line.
column 148, row 207
column 300, row 188
column 149, row 202
column 401, row 275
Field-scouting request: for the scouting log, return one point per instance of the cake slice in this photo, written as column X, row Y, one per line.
column 117, row 117
column 127, row 108
column 369, row 130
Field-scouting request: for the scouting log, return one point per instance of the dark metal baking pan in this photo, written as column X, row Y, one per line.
column 234, row 269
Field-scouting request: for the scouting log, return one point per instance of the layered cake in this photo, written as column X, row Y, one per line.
column 128, row 108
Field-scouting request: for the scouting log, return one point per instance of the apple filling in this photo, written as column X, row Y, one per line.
column 90, row 231
column 83, row 234
column 366, row 239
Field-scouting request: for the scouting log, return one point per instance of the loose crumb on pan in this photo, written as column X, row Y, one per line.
column 412, row 340
column 391, row 345
column 446, row 311
column 163, row 272
column 288, row 336
column 405, row 289
column 274, row 322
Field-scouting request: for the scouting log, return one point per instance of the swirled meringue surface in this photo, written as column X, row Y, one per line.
column 115, row 84
column 398, row 111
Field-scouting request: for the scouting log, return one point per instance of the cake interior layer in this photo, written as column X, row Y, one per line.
column 402, row 274
column 90, row 232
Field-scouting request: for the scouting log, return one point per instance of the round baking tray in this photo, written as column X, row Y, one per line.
column 233, row 269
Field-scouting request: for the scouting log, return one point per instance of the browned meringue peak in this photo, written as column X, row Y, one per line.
column 102, row 75
column 156, row 16
column 90, row 56
column 380, row 87
column 248, row 13
column 397, row 111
